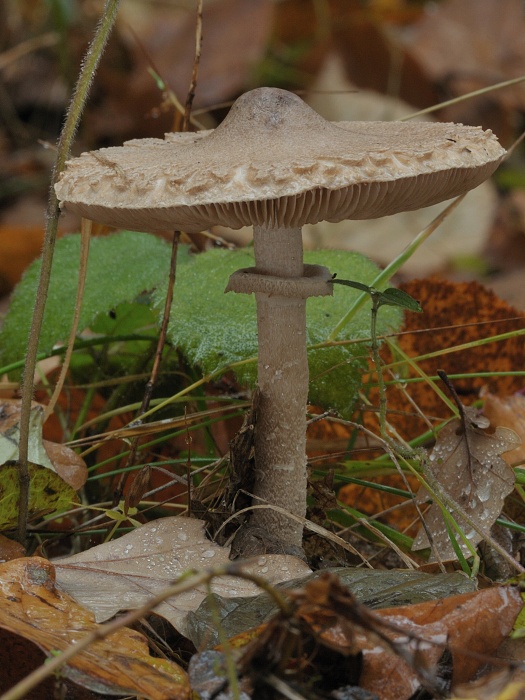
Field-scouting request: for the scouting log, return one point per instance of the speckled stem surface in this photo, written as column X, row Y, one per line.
column 280, row 439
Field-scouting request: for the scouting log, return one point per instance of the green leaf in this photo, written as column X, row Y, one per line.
column 355, row 285
column 397, row 297
column 120, row 267
column 390, row 297
column 216, row 331
column 47, row 493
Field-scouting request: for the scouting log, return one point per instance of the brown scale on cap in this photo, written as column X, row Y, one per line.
column 276, row 165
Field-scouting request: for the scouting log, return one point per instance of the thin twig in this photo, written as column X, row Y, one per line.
column 195, row 72
column 85, row 237
column 76, row 107
column 148, row 391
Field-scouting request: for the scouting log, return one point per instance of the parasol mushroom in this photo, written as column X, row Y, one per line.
column 275, row 164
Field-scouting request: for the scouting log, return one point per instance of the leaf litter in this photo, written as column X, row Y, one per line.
column 323, row 641
column 56, row 472
column 54, row 456
column 35, row 610
column 466, row 462
column 377, row 589
column 510, row 412
column 125, row 573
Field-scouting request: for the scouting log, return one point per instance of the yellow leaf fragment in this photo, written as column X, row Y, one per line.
column 32, row 608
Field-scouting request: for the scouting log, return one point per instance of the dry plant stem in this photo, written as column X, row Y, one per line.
column 85, row 237
column 26, row 47
column 89, row 67
column 195, row 72
column 158, row 356
column 464, row 98
column 280, row 437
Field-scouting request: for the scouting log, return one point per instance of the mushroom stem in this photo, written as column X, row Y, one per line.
column 280, row 439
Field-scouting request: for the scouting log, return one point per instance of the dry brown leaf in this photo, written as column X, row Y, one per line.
column 508, row 411
column 395, row 643
column 33, row 609
column 467, row 464
column 355, row 33
column 19, row 246
column 499, row 685
column 9, row 549
column 163, row 39
column 61, row 459
column 68, row 465
column 473, row 622
column 125, row 573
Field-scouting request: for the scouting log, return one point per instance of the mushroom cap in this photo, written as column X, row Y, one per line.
column 274, row 161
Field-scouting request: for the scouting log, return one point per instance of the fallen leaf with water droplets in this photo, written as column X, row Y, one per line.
column 466, row 463
column 34, row 612
column 124, row 574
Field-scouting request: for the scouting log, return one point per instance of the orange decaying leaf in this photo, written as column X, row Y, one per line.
column 33, row 609
column 399, row 645
column 510, row 412
column 454, row 314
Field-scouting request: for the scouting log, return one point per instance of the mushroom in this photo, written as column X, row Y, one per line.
column 275, row 164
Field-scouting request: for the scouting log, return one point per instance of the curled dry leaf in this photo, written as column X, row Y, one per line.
column 466, row 463
column 508, row 411
column 472, row 622
column 125, row 573
column 33, row 609
column 61, row 459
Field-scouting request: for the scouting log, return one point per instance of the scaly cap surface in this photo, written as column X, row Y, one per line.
column 273, row 160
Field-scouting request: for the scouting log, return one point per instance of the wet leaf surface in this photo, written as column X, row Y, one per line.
column 467, row 464
column 376, row 589
column 476, row 623
column 124, row 573
column 33, row 609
